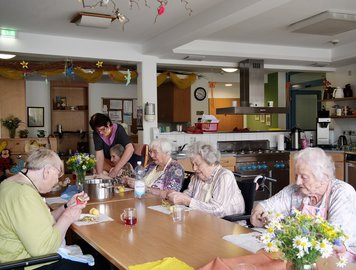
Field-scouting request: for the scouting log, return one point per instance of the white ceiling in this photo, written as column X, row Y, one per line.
column 224, row 31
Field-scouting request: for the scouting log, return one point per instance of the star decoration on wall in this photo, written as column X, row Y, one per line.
column 24, row 64
column 99, row 64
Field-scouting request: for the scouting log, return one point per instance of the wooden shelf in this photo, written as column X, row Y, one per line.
column 343, row 116
column 339, row 99
column 71, row 111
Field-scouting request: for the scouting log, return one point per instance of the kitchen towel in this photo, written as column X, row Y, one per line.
column 280, row 142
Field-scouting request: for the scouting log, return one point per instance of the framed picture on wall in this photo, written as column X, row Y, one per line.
column 268, row 119
column 35, row 116
column 262, row 118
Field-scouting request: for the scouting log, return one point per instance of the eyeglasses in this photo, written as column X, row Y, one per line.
column 153, row 152
column 101, row 129
column 60, row 173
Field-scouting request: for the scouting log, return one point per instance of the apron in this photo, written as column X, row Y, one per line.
column 155, row 175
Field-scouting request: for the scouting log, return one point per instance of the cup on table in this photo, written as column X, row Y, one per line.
column 244, row 266
column 129, row 216
column 178, row 213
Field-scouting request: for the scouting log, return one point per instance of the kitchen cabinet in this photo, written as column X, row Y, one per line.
column 69, row 113
column 348, row 101
column 228, row 162
column 173, row 103
column 339, row 160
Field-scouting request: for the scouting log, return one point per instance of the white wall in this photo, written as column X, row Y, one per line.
column 38, row 95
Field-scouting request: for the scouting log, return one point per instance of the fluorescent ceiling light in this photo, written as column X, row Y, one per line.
column 327, row 23
column 229, row 69
column 93, row 20
column 228, row 84
column 8, row 33
column 6, row 56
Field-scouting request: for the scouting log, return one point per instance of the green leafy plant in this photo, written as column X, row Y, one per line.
column 23, row 133
column 302, row 239
column 11, row 122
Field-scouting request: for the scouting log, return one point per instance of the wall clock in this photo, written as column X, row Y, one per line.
column 200, row 93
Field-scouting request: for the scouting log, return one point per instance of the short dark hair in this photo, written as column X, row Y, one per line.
column 99, row 120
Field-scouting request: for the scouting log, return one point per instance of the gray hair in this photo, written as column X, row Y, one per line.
column 163, row 145
column 117, row 149
column 209, row 153
column 42, row 157
column 323, row 168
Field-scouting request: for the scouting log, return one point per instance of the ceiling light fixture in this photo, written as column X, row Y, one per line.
column 228, row 84
column 93, row 20
column 122, row 18
column 327, row 23
column 6, row 56
column 229, row 70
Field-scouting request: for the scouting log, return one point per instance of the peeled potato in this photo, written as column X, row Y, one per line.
column 121, row 189
column 171, row 208
column 94, row 212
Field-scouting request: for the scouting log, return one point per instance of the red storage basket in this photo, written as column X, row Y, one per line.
column 207, row 127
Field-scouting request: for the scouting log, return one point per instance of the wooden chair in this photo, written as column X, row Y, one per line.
column 142, row 150
column 21, row 264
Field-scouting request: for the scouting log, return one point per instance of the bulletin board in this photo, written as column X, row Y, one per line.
column 122, row 110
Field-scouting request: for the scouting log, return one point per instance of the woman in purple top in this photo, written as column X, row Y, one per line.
column 163, row 173
column 105, row 135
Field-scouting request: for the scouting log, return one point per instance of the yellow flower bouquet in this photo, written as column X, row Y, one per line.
column 80, row 163
column 302, row 239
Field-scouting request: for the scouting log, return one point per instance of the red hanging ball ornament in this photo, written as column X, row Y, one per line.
column 160, row 9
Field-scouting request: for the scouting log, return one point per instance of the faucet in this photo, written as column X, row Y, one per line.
column 180, row 148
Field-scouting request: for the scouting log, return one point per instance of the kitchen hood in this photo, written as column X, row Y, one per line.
column 251, row 88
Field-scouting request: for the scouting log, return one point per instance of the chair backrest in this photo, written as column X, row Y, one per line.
column 141, row 150
column 186, row 180
column 248, row 191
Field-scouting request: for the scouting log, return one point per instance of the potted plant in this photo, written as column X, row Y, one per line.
column 11, row 123
column 23, row 133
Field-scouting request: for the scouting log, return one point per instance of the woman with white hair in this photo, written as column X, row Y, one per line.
column 213, row 189
column 316, row 192
column 163, row 173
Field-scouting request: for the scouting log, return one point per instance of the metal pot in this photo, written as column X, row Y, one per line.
column 99, row 189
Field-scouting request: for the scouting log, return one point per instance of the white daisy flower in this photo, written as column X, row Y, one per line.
column 301, row 243
column 342, row 262
column 266, row 237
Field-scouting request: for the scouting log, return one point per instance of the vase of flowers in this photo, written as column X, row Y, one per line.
column 80, row 163
column 11, row 123
column 302, row 239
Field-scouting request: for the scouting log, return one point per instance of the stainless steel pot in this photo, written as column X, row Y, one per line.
column 99, row 189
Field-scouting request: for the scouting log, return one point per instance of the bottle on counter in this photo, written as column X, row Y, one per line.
column 139, row 182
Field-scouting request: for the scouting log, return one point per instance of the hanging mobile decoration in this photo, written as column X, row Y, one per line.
column 122, row 18
column 128, row 77
column 24, row 64
column 68, row 68
column 99, row 64
column 161, row 8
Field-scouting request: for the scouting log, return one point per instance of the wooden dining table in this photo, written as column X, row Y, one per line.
column 196, row 241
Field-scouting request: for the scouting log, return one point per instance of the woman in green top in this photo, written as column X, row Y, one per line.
column 27, row 227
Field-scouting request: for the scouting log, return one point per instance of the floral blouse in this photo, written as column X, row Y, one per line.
column 171, row 178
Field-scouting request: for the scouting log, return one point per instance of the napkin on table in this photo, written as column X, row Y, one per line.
column 98, row 219
column 164, row 264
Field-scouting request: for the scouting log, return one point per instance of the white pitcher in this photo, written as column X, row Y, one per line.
column 338, row 92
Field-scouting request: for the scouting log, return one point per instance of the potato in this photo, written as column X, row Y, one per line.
column 94, row 212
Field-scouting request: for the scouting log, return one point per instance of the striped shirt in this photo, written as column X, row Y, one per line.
column 219, row 196
column 341, row 205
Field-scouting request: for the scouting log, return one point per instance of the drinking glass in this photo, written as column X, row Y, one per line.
column 178, row 213
column 129, row 216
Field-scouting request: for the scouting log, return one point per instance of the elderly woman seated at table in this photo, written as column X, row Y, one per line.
column 116, row 152
column 213, row 189
column 163, row 174
column 316, row 191
column 27, row 227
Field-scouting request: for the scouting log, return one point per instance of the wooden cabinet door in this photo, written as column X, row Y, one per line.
column 173, row 103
